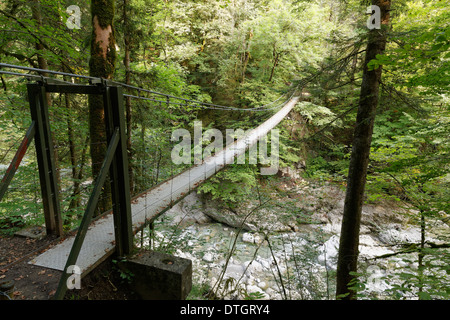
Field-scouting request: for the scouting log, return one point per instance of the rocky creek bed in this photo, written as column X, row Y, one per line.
column 275, row 254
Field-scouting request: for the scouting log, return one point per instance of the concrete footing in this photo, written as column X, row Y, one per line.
column 159, row 276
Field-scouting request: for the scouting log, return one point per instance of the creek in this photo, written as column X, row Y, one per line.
column 290, row 261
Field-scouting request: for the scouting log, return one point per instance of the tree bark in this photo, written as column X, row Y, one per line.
column 74, row 203
column 101, row 64
column 42, row 64
column 349, row 240
column 126, row 62
column 276, row 56
column 246, row 55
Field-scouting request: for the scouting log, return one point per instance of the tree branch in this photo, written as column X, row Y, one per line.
column 9, row 16
column 412, row 247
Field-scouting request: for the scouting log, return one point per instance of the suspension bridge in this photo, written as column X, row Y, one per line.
column 97, row 239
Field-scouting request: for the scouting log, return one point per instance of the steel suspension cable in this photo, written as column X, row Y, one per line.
column 204, row 105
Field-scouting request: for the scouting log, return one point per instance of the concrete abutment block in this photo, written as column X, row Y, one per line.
column 159, row 276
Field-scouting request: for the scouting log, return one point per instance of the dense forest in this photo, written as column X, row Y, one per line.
column 374, row 118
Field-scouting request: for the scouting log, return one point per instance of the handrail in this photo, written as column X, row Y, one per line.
column 116, row 83
column 17, row 159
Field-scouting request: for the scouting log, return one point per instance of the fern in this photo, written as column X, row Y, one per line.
column 232, row 185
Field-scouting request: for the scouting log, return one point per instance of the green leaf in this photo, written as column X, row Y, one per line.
column 424, row 296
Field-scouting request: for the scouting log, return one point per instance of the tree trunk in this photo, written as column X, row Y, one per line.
column 74, row 202
column 42, row 64
column 246, row 55
column 349, row 240
column 76, row 199
column 101, row 64
column 126, row 62
column 421, row 256
column 245, row 63
column 275, row 63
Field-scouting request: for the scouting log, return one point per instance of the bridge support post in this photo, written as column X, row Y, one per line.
column 119, row 175
column 116, row 164
column 46, row 159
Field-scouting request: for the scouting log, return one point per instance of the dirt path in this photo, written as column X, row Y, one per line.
column 31, row 282
column 37, row 283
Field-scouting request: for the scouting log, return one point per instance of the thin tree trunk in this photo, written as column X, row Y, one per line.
column 74, row 202
column 158, row 163
column 421, row 252
column 79, row 177
column 275, row 63
column 126, row 62
column 349, row 240
column 42, row 64
column 244, row 68
column 101, row 64
column 246, row 56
